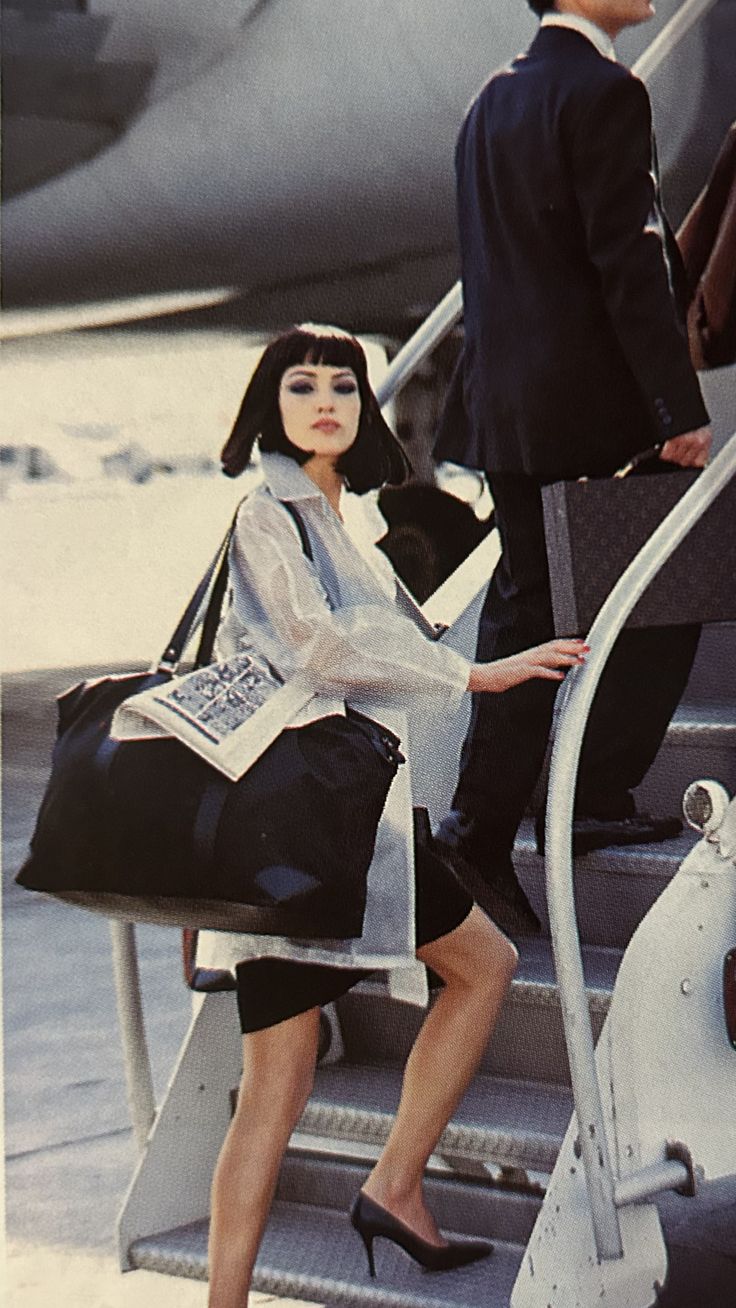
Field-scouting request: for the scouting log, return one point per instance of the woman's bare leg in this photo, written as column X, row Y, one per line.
column 477, row 963
column 278, row 1073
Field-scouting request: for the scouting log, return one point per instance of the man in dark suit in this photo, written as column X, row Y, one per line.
column 575, row 359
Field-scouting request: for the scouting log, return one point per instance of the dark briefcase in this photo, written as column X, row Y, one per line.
column 594, row 529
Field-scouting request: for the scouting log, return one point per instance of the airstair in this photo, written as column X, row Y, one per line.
column 497, row 1159
column 578, row 1170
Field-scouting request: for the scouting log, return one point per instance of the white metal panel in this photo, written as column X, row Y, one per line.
column 561, row 1268
column 674, row 1071
column 171, row 1185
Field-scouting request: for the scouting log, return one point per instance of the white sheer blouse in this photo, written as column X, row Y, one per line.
column 334, row 621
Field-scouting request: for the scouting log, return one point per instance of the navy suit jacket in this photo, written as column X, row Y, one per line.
column 575, row 353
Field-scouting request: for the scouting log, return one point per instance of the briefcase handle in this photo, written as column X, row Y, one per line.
column 652, row 452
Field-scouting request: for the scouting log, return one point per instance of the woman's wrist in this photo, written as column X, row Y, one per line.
column 483, row 678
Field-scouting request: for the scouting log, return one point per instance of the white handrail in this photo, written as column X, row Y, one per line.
column 577, row 699
column 670, row 36
column 426, row 338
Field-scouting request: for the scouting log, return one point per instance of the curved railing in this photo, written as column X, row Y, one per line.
column 406, row 362
column 579, row 689
column 422, row 344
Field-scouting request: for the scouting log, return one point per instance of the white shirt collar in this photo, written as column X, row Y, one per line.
column 600, row 39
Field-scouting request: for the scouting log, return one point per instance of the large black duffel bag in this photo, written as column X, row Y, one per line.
column 147, row 831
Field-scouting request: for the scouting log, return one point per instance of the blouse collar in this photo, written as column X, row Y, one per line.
column 287, row 480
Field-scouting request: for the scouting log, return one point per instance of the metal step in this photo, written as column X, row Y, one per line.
column 36, row 149
column 614, row 888
column 713, row 676
column 488, row 1206
column 517, row 1124
column 700, row 742
column 43, row 8
column 312, row 1253
column 528, row 1042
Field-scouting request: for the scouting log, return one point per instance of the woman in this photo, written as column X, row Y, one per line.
column 311, row 409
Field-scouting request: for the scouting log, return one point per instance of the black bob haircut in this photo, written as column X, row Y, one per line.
column 375, row 456
column 542, row 6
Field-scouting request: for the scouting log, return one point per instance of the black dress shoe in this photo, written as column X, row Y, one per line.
column 497, row 892
column 370, row 1220
column 589, row 833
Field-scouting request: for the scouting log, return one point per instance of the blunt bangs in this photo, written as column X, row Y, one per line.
column 306, row 345
column 375, row 456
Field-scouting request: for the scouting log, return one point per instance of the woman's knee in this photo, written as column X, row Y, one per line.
column 491, row 955
column 476, row 954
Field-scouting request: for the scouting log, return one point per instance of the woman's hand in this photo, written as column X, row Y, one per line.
column 544, row 661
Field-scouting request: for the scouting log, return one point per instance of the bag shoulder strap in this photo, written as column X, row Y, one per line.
column 293, row 511
column 191, row 616
column 211, row 592
column 214, row 607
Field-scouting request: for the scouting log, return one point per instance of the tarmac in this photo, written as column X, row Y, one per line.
column 69, row 1148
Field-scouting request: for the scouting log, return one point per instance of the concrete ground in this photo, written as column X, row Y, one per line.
column 37, row 1276
column 69, row 1147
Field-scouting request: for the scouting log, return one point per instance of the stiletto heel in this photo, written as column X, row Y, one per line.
column 370, row 1220
column 368, row 1242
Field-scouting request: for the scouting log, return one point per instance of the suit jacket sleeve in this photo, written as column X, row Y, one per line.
column 616, row 188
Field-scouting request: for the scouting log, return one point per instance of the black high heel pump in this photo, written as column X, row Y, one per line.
column 370, row 1220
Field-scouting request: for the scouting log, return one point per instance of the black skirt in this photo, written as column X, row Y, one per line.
column 270, row 990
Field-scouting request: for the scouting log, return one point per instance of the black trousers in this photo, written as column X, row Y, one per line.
column 506, row 742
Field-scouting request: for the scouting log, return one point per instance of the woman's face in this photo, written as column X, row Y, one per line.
column 320, row 408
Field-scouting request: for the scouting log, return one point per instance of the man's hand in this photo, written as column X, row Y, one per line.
column 690, row 450
column 544, row 661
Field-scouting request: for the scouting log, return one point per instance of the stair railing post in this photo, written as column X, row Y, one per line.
column 577, row 697
column 138, row 1077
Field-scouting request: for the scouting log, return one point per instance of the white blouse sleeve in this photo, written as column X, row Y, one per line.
column 361, row 651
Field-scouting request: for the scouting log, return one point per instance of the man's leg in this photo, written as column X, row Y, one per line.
column 507, row 736
column 506, row 741
column 642, row 686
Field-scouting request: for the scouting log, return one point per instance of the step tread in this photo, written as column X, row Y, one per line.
column 520, row 1123
column 313, row 1254
column 657, row 859
column 536, row 982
